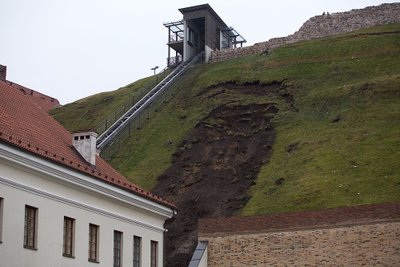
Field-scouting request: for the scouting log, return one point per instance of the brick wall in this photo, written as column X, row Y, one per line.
column 322, row 26
column 3, row 72
column 347, row 236
column 375, row 244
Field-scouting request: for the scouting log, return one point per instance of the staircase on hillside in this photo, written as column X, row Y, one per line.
column 108, row 135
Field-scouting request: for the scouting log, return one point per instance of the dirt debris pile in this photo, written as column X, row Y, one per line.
column 212, row 170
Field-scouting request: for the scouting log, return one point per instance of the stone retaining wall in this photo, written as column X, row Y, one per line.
column 366, row 235
column 321, row 26
column 376, row 244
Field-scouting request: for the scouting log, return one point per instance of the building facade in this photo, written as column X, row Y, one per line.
column 62, row 205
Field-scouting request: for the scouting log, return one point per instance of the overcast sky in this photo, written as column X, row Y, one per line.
column 70, row 49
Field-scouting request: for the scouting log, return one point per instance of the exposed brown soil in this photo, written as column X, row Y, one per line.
column 354, row 215
column 214, row 167
column 252, row 88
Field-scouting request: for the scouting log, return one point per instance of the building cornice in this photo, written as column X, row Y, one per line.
column 76, row 204
column 71, row 177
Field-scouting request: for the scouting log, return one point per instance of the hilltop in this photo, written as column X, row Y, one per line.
column 310, row 125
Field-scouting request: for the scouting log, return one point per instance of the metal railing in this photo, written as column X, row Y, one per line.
column 176, row 38
column 121, row 110
column 140, row 108
column 174, row 61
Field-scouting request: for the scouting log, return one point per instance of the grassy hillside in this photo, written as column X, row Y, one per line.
column 337, row 130
column 90, row 112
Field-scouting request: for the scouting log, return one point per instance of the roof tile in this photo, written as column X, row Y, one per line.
column 27, row 126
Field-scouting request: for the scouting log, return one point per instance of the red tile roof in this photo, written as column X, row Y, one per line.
column 299, row 220
column 45, row 102
column 27, row 126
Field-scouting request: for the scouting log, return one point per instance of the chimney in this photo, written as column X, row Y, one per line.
column 3, row 72
column 85, row 144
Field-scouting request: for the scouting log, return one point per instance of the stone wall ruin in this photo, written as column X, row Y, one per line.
column 321, row 26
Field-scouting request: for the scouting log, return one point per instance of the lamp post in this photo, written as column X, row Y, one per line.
column 154, row 69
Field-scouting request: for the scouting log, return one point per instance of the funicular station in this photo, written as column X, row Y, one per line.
column 190, row 40
column 200, row 30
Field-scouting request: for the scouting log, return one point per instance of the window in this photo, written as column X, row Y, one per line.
column 93, row 242
column 136, row 251
column 1, row 220
column 191, row 37
column 154, row 248
column 30, row 228
column 117, row 249
column 68, row 238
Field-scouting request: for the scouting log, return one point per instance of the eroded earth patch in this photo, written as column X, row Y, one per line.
column 212, row 170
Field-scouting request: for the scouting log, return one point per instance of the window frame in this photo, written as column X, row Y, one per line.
column 94, row 231
column 137, row 251
column 117, row 248
column 31, row 227
column 153, row 253
column 69, row 252
column 191, row 37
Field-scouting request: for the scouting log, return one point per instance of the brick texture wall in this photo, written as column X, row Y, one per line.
column 347, row 236
column 376, row 244
column 321, row 26
column 3, row 72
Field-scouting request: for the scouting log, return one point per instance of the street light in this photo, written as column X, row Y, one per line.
column 154, row 69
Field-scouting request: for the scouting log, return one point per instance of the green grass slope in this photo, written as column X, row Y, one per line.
column 337, row 145
column 90, row 112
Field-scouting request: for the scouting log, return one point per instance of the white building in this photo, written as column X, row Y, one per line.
column 58, row 209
